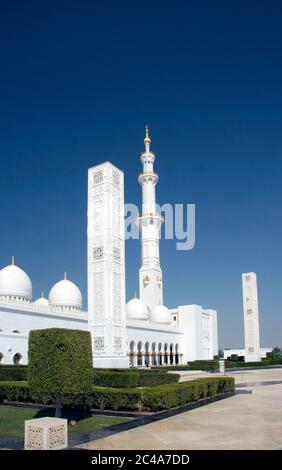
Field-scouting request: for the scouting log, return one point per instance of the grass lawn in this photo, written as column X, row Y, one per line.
column 12, row 420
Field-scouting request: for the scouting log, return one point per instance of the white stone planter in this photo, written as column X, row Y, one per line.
column 46, row 434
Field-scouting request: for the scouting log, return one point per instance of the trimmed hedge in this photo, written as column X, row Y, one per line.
column 59, row 364
column 115, row 379
column 116, row 399
column 153, row 398
column 147, row 379
column 132, row 378
column 13, row 372
column 15, row 391
column 170, row 396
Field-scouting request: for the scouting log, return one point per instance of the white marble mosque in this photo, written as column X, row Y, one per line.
column 143, row 331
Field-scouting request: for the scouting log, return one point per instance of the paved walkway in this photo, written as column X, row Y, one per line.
column 244, row 421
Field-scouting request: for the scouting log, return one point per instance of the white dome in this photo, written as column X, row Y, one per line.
column 65, row 294
column 41, row 302
column 136, row 309
column 15, row 282
column 160, row 314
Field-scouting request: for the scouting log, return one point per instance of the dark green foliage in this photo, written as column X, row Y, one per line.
column 13, row 372
column 116, row 399
column 153, row 378
column 108, row 378
column 59, row 365
column 14, row 391
column 234, row 357
column 169, row 396
column 131, row 378
column 153, row 398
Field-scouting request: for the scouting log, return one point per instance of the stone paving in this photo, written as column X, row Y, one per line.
column 244, row 421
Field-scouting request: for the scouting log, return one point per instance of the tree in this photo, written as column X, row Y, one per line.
column 220, row 353
column 59, row 366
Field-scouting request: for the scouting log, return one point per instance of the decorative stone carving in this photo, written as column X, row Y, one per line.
column 106, row 271
column 46, row 434
column 98, row 253
column 99, row 343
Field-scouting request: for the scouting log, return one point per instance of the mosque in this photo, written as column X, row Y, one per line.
column 141, row 332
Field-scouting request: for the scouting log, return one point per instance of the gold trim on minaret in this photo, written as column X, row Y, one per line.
column 13, row 261
column 147, row 139
column 65, row 276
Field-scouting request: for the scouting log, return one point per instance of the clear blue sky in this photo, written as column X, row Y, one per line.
column 78, row 82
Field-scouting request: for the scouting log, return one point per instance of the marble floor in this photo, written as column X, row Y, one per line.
column 244, row 421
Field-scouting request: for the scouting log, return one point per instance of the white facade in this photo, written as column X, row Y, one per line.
column 142, row 332
column 106, row 272
column 251, row 317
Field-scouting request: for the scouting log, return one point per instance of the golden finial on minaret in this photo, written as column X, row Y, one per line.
column 65, row 275
column 135, row 295
column 13, row 261
column 42, row 294
column 147, row 139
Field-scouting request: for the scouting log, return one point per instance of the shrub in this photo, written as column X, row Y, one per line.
column 153, row 378
column 116, row 399
column 13, row 372
column 60, row 366
column 168, row 396
column 14, row 391
column 154, row 398
column 115, row 379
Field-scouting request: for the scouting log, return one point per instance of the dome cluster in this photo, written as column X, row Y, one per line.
column 16, row 285
column 136, row 309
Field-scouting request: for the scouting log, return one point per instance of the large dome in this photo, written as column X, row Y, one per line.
column 160, row 314
column 136, row 309
column 65, row 294
column 14, row 282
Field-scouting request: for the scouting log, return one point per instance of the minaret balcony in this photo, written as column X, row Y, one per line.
column 148, row 178
column 151, row 218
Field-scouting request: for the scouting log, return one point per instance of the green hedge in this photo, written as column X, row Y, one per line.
column 154, row 398
column 116, row 399
column 169, row 396
column 13, row 372
column 147, row 379
column 59, row 364
column 132, row 378
column 115, row 379
column 15, row 391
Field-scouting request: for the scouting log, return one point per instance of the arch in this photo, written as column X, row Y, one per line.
column 176, row 354
column 166, row 354
column 131, row 346
column 139, row 353
column 17, row 359
column 147, row 354
column 154, row 353
column 2, row 358
column 171, row 353
column 131, row 353
column 160, row 359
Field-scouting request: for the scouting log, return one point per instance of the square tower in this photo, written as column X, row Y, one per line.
column 106, row 266
column 251, row 317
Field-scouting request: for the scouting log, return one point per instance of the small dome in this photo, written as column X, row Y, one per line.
column 42, row 301
column 160, row 314
column 14, row 282
column 65, row 294
column 136, row 309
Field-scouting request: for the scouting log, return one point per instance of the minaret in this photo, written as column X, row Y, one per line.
column 150, row 273
column 251, row 317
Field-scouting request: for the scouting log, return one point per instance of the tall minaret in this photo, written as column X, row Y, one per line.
column 251, row 317
column 150, row 273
